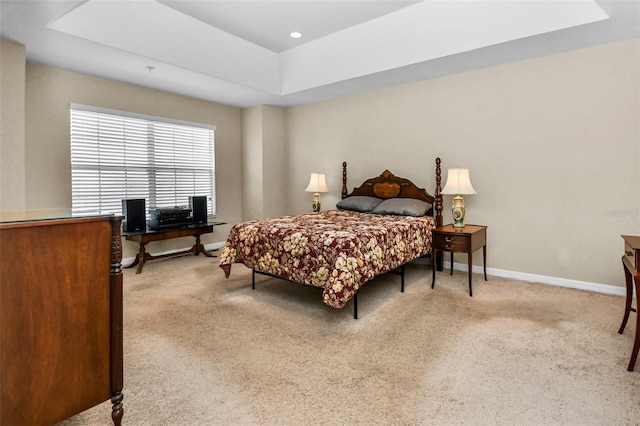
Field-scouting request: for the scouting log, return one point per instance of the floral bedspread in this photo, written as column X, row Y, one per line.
column 335, row 250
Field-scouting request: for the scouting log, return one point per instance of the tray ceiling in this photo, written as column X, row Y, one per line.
column 240, row 52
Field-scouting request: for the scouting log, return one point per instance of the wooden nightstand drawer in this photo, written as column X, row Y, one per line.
column 451, row 242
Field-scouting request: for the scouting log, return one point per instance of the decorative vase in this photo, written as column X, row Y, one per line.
column 457, row 210
column 316, row 203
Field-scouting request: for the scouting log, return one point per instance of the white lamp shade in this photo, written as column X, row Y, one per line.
column 458, row 182
column 317, row 183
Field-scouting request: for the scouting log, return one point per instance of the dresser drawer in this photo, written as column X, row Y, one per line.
column 450, row 242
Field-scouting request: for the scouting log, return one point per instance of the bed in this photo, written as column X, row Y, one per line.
column 375, row 229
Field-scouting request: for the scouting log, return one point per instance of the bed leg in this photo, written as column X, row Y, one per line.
column 253, row 279
column 402, row 279
column 438, row 262
column 355, row 305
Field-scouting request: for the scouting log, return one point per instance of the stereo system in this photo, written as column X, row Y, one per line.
column 171, row 217
column 198, row 206
column 134, row 215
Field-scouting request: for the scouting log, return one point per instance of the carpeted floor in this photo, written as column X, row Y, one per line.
column 203, row 350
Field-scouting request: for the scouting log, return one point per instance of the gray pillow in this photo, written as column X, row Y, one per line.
column 403, row 207
column 359, row 203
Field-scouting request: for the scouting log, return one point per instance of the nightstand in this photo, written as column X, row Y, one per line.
column 460, row 240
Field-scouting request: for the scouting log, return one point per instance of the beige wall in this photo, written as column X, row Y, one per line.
column 50, row 91
column 264, row 165
column 276, row 162
column 552, row 144
column 12, row 126
column 252, row 197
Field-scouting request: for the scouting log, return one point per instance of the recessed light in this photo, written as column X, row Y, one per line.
column 295, row 34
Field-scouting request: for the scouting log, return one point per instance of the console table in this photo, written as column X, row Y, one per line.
column 631, row 266
column 143, row 238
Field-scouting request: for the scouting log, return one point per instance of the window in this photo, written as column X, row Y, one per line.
column 116, row 156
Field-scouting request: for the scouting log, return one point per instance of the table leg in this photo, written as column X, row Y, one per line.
column 139, row 260
column 636, row 341
column 484, row 260
column 469, row 258
column 142, row 255
column 199, row 248
column 433, row 267
column 629, row 299
column 636, row 346
column 451, row 273
column 135, row 261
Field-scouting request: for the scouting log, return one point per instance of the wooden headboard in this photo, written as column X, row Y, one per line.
column 388, row 185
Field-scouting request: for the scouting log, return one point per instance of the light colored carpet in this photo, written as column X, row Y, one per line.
column 203, row 350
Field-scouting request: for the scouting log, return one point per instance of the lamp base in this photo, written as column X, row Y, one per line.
column 457, row 210
column 316, row 202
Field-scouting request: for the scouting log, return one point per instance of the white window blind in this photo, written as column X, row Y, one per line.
column 116, row 156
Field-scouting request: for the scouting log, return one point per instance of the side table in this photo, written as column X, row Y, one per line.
column 460, row 240
column 631, row 266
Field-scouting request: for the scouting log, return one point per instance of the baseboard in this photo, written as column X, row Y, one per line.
column 543, row 279
column 214, row 246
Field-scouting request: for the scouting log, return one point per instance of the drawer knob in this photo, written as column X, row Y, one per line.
column 448, row 239
column 448, row 246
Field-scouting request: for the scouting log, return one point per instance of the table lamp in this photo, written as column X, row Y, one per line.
column 317, row 184
column 458, row 183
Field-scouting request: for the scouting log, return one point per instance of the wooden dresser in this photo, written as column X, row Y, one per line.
column 61, row 318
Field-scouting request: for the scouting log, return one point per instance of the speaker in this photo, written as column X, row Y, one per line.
column 198, row 206
column 135, row 217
